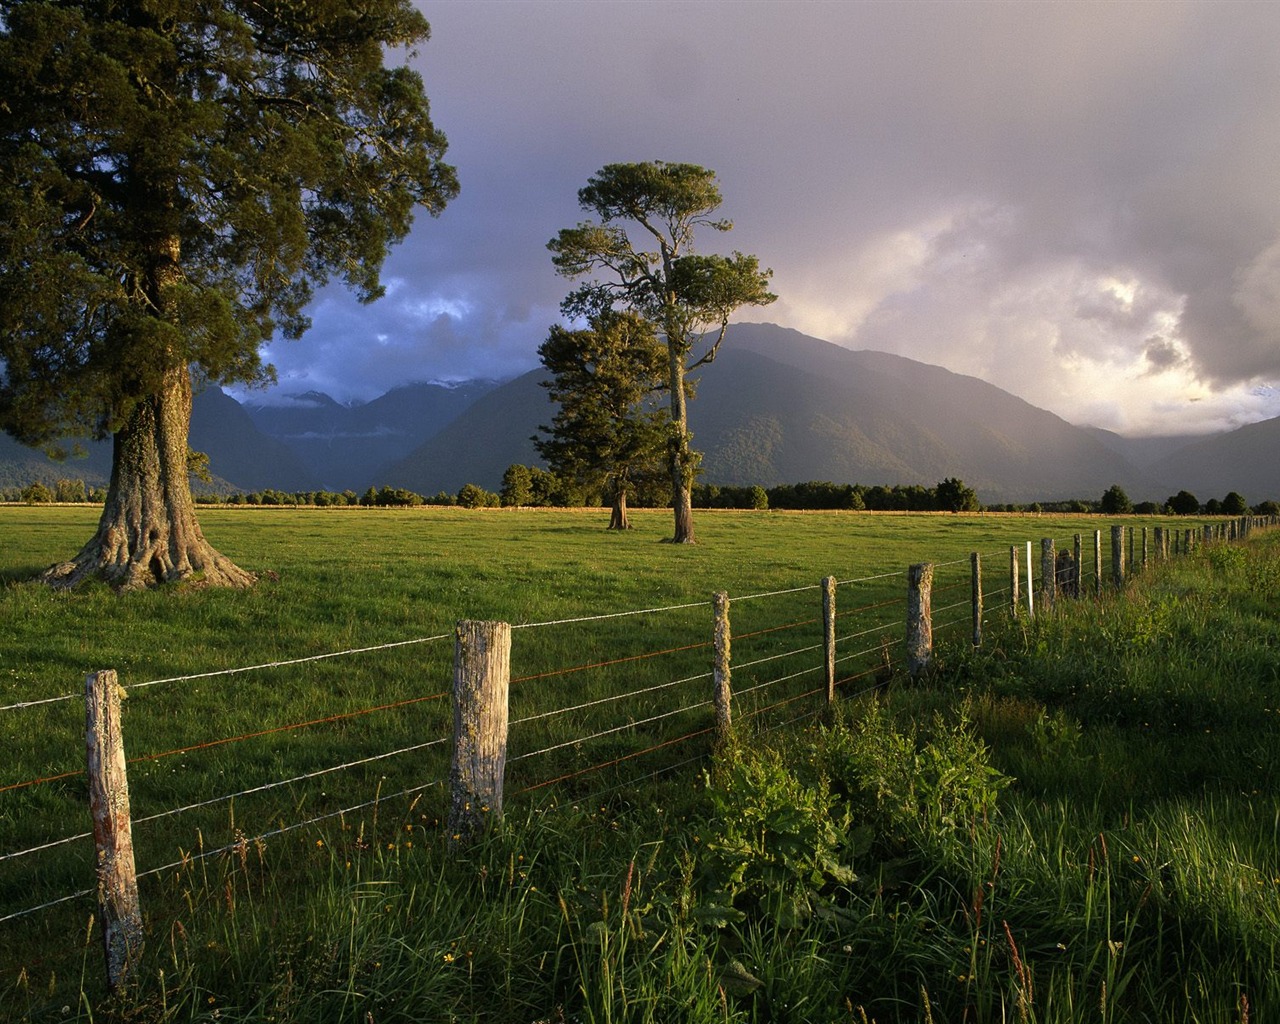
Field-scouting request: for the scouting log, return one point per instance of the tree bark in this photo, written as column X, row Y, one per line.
column 681, row 458
column 148, row 534
column 618, row 517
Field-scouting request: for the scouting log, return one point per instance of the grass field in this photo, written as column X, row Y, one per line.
column 1087, row 746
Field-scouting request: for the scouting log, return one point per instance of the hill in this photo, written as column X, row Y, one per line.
column 343, row 446
column 240, row 456
column 780, row 407
column 1242, row 460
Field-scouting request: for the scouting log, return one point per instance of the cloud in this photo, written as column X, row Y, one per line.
column 1031, row 193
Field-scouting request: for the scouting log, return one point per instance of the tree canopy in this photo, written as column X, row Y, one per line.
column 1115, row 502
column 686, row 296
column 177, row 177
column 607, row 429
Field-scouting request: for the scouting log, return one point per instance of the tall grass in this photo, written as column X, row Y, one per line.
column 1127, row 872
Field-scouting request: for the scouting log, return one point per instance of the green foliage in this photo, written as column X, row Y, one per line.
column 36, row 493
column 1115, row 502
column 952, row 495
column 606, row 431
column 773, row 840
column 174, row 186
column 686, row 298
column 474, row 496
column 1234, row 504
column 517, row 486
column 1184, row 503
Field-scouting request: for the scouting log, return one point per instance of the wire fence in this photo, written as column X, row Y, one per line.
column 593, row 710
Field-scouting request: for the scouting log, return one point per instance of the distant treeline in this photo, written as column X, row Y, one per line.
column 531, row 486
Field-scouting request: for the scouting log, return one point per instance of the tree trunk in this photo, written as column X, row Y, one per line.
column 148, row 532
column 682, row 460
column 618, row 517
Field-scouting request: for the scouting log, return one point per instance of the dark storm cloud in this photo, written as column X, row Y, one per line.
column 1029, row 192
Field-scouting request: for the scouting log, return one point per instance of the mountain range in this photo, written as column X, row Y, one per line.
column 776, row 407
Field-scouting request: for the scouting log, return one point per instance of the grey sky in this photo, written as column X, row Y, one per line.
column 1077, row 202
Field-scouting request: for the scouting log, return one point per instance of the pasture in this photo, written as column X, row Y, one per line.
column 301, row 740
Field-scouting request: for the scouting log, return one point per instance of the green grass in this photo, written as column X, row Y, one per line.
column 1099, row 714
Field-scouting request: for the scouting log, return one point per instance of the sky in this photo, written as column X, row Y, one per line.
column 1077, row 202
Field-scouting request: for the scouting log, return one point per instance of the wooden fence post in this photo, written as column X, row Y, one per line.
column 1117, row 557
column 1097, row 563
column 975, row 565
column 720, row 670
column 1048, row 573
column 118, row 904
column 1077, row 553
column 1031, row 601
column 481, row 681
column 829, row 635
column 1144, row 549
column 919, row 618
column 1013, row 579
column 1130, row 551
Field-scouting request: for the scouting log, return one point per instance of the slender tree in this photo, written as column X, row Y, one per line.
column 607, row 430
column 176, row 178
column 688, row 298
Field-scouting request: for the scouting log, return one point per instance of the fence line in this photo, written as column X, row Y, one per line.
column 1047, row 586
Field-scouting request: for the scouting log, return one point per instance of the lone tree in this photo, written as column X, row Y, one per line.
column 608, row 429
column 954, row 495
column 176, row 178
column 688, row 298
column 1115, row 502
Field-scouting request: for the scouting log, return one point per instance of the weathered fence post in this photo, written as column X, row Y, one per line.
column 919, row 617
column 720, row 668
column 975, row 561
column 1130, row 551
column 1144, row 549
column 829, row 635
column 1077, row 552
column 1013, row 579
column 481, row 681
column 1117, row 557
column 1031, row 601
column 1048, row 573
column 1097, row 563
column 118, row 904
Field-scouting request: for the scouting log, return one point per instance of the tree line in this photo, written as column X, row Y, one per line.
column 535, row 487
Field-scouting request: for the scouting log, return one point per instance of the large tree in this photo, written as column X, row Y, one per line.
column 176, row 178
column 686, row 296
column 606, row 429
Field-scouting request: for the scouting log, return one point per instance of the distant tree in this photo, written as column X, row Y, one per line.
column 176, row 179
column 69, row 491
column 953, row 496
column 687, row 298
column 37, row 494
column 1234, row 504
column 517, row 486
column 543, row 486
column 606, row 430
column 475, row 496
column 1115, row 502
column 1184, row 503
column 1146, row 508
column 1269, row 507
